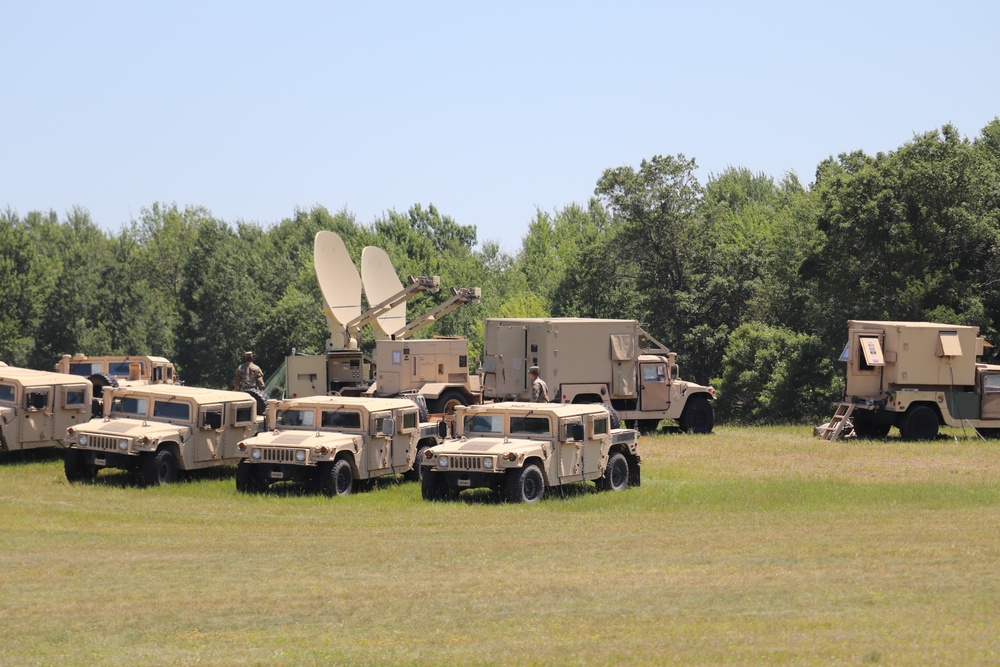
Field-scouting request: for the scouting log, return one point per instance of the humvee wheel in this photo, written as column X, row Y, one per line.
column 416, row 473
column 249, row 479
column 420, row 401
column 434, row 486
column 449, row 400
column 525, row 485
column 919, row 423
column 698, row 416
column 337, row 479
column 159, row 468
column 615, row 474
column 75, row 467
column 260, row 397
column 646, row 426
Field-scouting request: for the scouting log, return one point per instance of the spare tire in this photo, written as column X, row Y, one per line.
column 260, row 397
column 616, row 421
column 100, row 381
column 421, row 403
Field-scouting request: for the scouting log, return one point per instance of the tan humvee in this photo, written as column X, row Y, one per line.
column 915, row 376
column 519, row 449
column 156, row 430
column 333, row 441
column 36, row 407
column 587, row 360
column 117, row 371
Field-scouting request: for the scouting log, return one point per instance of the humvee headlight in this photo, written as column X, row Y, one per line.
column 123, row 445
column 300, row 455
column 443, row 461
column 487, row 464
column 83, row 440
column 255, row 453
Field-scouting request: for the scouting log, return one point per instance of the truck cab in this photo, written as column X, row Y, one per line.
column 334, row 441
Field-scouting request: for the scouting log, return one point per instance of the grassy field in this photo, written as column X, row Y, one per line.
column 748, row 546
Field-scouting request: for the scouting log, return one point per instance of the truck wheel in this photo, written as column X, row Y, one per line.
column 525, row 485
column 421, row 402
column 249, row 479
column 698, row 416
column 449, row 400
column 159, row 468
column 260, row 397
column 869, row 428
column 416, row 473
column 337, row 479
column 434, row 486
column 76, row 468
column 647, row 426
column 919, row 423
column 615, row 476
column 616, row 421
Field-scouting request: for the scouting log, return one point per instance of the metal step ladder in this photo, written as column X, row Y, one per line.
column 839, row 421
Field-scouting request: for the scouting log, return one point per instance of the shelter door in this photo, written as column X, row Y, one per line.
column 991, row 396
column 655, row 389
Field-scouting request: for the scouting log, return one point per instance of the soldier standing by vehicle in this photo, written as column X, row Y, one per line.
column 539, row 390
column 248, row 374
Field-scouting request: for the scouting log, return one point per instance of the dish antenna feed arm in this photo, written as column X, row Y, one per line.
column 460, row 297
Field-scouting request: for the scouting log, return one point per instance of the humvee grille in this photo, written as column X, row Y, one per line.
column 466, row 463
column 277, row 455
column 106, row 442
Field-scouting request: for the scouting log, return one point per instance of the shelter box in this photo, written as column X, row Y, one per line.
column 907, row 354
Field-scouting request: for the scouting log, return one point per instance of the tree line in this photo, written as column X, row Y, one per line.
column 750, row 279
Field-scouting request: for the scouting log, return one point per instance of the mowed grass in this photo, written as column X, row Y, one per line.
column 744, row 547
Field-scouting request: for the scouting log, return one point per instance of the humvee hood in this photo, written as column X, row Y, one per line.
column 498, row 445
column 151, row 429
column 302, row 439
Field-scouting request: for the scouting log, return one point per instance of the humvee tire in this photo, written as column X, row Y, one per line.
column 421, row 402
column 248, row 479
column 337, row 479
column 646, row 426
column 159, row 468
column 75, row 468
column 416, row 473
column 698, row 416
column 919, row 423
column 448, row 400
column 260, row 397
column 525, row 485
column 434, row 486
column 615, row 474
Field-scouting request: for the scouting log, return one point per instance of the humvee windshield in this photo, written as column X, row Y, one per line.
column 171, row 410
column 297, row 418
column 529, row 425
column 129, row 405
column 484, row 424
column 119, row 368
column 85, row 369
column 7, row 393
column 333, row 419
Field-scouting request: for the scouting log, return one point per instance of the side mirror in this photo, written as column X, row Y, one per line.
column 442, row 429
column 577, row 432
column 388, row 426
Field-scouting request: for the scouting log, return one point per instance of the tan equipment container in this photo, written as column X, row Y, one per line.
column 331, row 442
column 156, row 430
column 36, row 407
column 583, row 360
column 915, row 376
column 521, row 449
column 436, row 369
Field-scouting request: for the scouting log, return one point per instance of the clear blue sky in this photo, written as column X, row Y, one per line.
column 487, row 110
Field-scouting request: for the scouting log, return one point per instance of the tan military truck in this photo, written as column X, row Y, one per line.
column 36, row 407
column 335, row 441
column 915, row 376
column 156, row 430
column 117, row 371
column 583, row 360
column 520, row 449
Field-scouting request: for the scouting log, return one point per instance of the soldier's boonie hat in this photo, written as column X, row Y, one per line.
column 533, row 369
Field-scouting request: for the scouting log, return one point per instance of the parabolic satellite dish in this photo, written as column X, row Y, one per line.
column 338, row 278
column 381, row 283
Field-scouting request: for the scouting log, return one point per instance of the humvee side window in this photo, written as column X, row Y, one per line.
column 484, row 424
column 7, row 393
column 297, row 418
column 128, row 405
column 600, row 426
column 119, row 368
column 85, row 369
column 991, row 383
column 410, row 420
column 382, row 424
column 529, row 425
column 158, row 374
column 243, row 414
column 871, row 353
column 650, row 373
column 212, row 418
column 74, row 397
column 37, row 400
column 331, row 419
column 171, row 410
column 568, row 431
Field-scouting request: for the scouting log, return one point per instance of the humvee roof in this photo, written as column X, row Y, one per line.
column 368, row 403
column 199, row 395
column 31, row 376
column 556, row 409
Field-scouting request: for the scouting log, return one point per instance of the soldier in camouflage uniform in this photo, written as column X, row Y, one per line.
column 248, row 374
column 539, row 390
